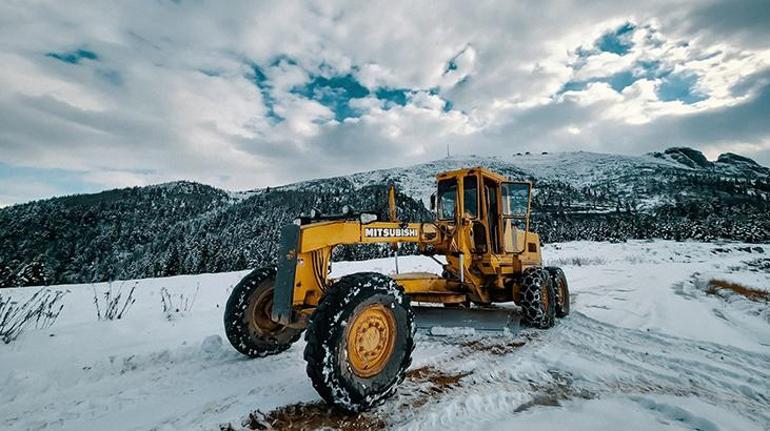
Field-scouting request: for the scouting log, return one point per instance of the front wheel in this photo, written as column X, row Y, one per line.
column 360, row 341
column 538, row 298
column 248, row 323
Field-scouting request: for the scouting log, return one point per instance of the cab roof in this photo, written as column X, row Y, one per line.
column 472, row 171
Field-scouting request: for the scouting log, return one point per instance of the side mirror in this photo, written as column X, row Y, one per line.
column 433, row 202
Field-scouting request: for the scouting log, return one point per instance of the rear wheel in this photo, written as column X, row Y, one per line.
column 561, row 289
column 248, row 325
column 538, row 298
column 360, row 341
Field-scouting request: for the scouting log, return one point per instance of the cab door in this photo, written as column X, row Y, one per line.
column 491, row 194
column 515, row 200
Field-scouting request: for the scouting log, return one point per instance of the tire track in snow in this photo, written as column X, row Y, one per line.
column 584, row 358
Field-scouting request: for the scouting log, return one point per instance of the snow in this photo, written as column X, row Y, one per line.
column 576, row 168
column 646, row 347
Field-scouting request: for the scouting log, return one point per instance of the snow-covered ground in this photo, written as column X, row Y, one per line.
column 646, row 347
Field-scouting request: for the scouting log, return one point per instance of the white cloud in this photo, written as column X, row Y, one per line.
column 172, row 93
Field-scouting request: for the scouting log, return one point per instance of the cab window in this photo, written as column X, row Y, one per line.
column 515, row 199
column 447, row 199
column 470, row 197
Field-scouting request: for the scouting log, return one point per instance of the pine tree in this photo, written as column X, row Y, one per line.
column 172, row 265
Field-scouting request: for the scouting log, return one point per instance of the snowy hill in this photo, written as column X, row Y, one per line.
column 650, row 344
column 578, row 169
column 184, row 227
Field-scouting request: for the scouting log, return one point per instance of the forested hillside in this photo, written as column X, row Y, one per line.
column 184, row 227
column 175, row 228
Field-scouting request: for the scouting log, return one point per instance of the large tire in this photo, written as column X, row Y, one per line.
column 561, row 289
column 247, row 317
column 346, row 327
column 538, row 298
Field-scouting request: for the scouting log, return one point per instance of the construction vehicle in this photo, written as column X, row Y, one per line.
column 360, row 328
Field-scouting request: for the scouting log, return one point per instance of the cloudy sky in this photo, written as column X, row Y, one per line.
column 96, row 95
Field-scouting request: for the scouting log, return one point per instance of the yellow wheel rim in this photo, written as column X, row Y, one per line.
column 371, row 339
column 259, row 311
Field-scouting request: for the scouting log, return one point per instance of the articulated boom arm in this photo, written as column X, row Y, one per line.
column 305, row 252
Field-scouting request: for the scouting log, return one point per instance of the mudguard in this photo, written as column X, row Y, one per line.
column 283, row 295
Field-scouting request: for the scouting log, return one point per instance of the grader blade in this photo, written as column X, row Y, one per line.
column 442, row 321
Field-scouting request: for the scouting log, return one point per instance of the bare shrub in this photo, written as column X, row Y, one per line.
column 41, row 311
column 717, row 287
column 172, row 304
column 110, row 303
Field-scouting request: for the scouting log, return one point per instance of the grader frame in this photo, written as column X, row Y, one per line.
column 360, row 327
column 482, row 277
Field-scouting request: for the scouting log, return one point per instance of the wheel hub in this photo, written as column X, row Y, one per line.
column 260, row 309
column 371, row 339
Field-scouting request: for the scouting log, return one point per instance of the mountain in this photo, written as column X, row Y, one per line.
column 185, row 227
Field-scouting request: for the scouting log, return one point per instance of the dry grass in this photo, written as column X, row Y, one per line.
column 495, row 349
column 716, row 286
column 309, row 416
column 430, row 382
column 437, row 378
column 319, row 415
column 40, row 311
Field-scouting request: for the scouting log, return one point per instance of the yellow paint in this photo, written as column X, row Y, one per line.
column 487, row 272
column 371, row 338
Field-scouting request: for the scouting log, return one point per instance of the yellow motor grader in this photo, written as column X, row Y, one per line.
column 360, row 328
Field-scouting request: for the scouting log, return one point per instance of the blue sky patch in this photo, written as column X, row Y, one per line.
column 62, row 181
column 73, row 57
column 335, row 93
column 397, row 96
column 617, row 81
column 258, row 77
column 621, row 80
column 680, row 86
column 651, row 69
column 617, row 41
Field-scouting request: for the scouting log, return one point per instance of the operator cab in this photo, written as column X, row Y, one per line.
column 497, row 209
